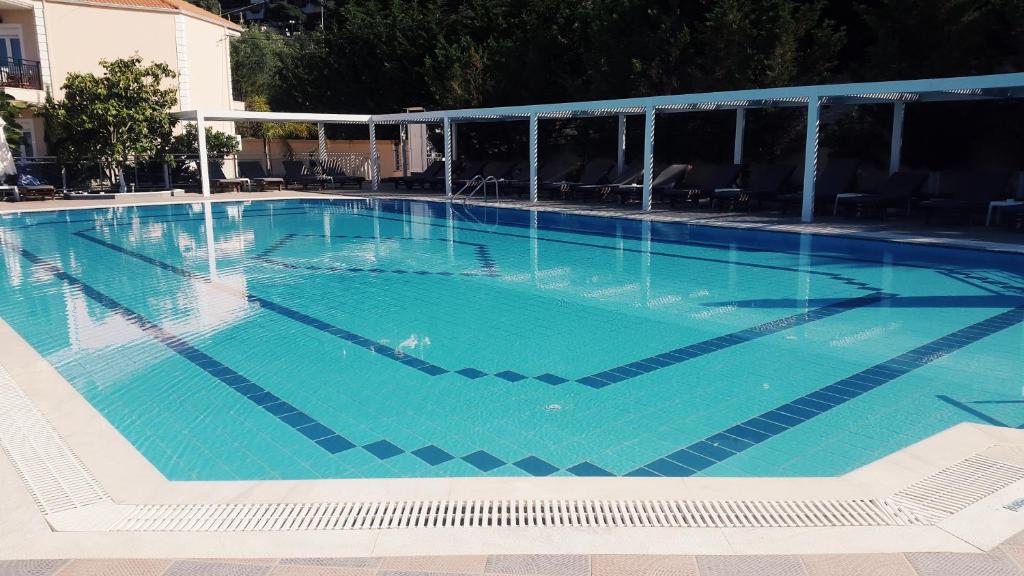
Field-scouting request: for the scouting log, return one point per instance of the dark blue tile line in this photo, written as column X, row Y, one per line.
column 723, row 445
column 290, row 415
column 973, row 412
column 356, row 270
column 680, row 355
column 315, row 431
column 486, row 262
column 977, row 280
column 831, row 275
column 609, row 377
column 275, row 246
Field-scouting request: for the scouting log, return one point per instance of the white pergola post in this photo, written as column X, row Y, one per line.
column 449, row 156
column 404, row 135
column 534, row 128
column 374, row 160
column 737, row 144
column 321, row 147
column 895, row 148
column 620, row 146
column 648, row 157
column 811, row 157
column 204, row 168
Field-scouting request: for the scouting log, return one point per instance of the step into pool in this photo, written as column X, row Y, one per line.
column 339, row 338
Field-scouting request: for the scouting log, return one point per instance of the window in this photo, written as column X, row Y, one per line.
column 10, row 44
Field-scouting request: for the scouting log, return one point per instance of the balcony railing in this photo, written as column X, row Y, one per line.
column 18, row 73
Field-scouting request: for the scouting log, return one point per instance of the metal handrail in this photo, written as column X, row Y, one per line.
column 494, row 180
column 475, row 181
column 20, row 73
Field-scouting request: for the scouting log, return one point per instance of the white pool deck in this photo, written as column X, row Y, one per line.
column 72, row 488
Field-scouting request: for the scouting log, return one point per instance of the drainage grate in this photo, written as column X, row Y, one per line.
column 953, row 489
column 55, row 477
column 517, row 513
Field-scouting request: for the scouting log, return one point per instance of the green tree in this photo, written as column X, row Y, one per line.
column 268, row 131
column 928, row 38
column 208, row 5
column 10, row 111
column 113, row 119
column 218, row 144
column 256, row 57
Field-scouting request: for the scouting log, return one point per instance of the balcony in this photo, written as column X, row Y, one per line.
column 20, row 73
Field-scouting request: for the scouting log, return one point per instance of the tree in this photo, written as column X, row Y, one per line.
column 256, row 57
column 218, row 144
column 208, row 5
column 10, row 111
column 268, row 131
column 113, row 119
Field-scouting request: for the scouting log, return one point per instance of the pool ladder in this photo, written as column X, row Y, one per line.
column 476, row 184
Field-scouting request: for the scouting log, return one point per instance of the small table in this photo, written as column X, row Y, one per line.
column 9, row 190
column 999, row 204
column 835, row 206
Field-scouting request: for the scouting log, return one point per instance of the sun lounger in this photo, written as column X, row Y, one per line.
column 422, row 179
column 665, row 180
column 629, row 176
column 764, row 182
column 594, row 172
column 966, row 194
column 554, row 171
column 897, row 191
column 222, row 183
column 295, row 173
column 254, row 171
column 839, row 176
column 701, row 181
column 332, row 169
column 28, row 186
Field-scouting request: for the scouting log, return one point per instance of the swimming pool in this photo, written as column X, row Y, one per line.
column 361, row 339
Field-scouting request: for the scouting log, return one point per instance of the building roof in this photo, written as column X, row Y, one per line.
column 175, row 5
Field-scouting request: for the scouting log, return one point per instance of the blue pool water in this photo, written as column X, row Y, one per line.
column 344, row 339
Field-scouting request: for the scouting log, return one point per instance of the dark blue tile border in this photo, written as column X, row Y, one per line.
column 686, row 461
column 716, row 448
column 483, row 460
column 680, row 355
column 486, row 266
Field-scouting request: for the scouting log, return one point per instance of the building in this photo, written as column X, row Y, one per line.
column 42, row 41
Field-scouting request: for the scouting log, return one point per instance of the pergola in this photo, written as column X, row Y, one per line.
column 896, row 93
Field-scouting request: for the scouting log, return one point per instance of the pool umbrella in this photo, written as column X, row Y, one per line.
column 6, row 158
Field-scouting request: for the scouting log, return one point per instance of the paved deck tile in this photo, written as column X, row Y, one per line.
column 750, row 566
column 539, row 565
column 950, row 564
column 857, row 565
column 643, row 565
